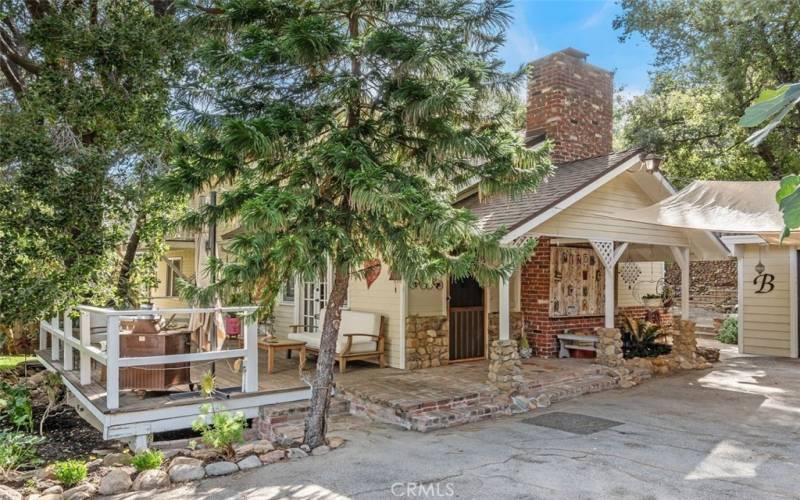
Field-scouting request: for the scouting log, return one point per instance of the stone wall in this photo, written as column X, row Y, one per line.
column 515, row 320
column 713, row 284
column 427, row 341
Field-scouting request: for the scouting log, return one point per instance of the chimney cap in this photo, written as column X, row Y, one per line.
column 577, row 54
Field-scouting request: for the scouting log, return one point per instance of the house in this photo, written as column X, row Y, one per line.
column 589, row 269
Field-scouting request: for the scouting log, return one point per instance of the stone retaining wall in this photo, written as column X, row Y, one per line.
column 427, row 341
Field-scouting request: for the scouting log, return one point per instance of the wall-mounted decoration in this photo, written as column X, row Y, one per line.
column 577, row 284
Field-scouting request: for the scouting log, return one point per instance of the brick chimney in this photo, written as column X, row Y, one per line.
column 570, row 103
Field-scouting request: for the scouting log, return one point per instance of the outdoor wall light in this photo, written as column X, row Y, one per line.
column 652, row 162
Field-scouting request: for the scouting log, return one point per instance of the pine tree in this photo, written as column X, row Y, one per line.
column 342, row 131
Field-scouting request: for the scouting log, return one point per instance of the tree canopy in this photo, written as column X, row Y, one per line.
column 340, row 131
column 84, row 126
column 713, row 58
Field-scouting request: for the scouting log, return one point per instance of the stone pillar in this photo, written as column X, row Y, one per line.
column 504, row 365
column 609, row 347
column 684, row 344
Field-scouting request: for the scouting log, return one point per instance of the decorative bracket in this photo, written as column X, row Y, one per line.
column 607, row 253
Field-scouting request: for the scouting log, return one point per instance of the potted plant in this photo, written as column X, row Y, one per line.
column 233, row 323
column 652, row 300
column 525, row 350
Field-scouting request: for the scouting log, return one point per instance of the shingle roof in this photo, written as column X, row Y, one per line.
column 568, row 178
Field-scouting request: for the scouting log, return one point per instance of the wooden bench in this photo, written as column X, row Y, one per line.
column 575, row 341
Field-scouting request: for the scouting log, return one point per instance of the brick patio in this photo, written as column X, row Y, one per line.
column 436, row 398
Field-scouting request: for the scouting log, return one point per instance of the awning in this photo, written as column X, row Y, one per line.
column 720, row 206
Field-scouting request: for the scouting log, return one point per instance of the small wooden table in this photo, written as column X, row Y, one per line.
column 282, row 345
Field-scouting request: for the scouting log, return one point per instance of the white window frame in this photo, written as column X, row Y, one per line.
column 169, row 282
column 286, row 301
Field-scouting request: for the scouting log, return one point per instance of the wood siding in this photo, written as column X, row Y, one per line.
column 767, row 324
column 585, row 218
column 652, row 272
column 383, row 297
column 158, row 294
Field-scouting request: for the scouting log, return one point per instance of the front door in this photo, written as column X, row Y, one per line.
column 466, row 320
column 314, row 294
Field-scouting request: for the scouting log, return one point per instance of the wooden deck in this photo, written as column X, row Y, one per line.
column 286, row 377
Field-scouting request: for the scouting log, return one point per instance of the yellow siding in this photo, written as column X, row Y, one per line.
column 766, row 316
column 426, row 302
column 648, row 283
column 585, row 218
column 158, row 294
column 283, row 318
column 513, row 294
column 383, row 297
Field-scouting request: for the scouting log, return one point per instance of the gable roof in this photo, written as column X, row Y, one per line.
column 567, row 179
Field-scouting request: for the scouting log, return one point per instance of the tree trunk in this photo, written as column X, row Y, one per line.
column 123, row 282
column 316, row 420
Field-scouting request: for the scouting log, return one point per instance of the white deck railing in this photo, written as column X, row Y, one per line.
column 61, row 334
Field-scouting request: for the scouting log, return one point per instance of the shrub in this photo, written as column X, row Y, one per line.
column 639, row 339
column 148, row 459
column 18, row 449
column 15, row 406
column 70, row 472
column 729, row 332
column 222, row 431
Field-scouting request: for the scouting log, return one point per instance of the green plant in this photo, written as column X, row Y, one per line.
column 148, row 459
column 729, row 332
column 523, row 342
column 15, row 406
column 53, row 388
column 219, row 429
column 651, row 296
column 639, row 339
column 18, row 449
column 70, row 472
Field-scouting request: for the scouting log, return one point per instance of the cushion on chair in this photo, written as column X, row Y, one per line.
column 352, row 322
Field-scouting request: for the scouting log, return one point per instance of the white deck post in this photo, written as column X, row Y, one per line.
column 681, row 255
column 55, row 352
column 67, row 346
column 504, row 312
column 112, row 363
column 609, row 256
column 250, row 383
column 42, row 336
column 86, row 341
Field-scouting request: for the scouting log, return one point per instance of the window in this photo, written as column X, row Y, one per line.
column 288, row 291
column 173, row 273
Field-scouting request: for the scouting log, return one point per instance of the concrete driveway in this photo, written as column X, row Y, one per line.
column 729, row 432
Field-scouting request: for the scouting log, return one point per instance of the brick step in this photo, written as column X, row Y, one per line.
column 568, row 390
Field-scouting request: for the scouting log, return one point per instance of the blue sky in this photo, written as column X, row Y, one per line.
column 544, row 26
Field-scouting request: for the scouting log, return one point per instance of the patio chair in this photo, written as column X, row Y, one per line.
column 361, row 337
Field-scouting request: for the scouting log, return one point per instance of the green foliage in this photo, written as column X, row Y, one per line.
column 18, row 450
column 15, row 406
column 84, row 129
column 640, row 339
column 70, row 472
column 729, row 332
column 357, row 125
column 220, row 429
column 148, row 459
column 712, row 58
